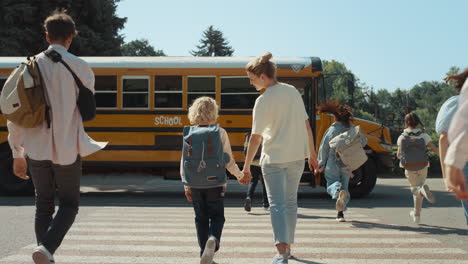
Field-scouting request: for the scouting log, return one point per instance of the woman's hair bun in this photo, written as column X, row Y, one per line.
column 266, row 57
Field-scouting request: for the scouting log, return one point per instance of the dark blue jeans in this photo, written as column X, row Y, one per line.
column 51, row 181
column 256, row 176
column 209, row 214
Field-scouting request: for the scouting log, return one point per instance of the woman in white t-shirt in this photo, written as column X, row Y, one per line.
column 452, row 158
column 415, row 172
column 281, row 123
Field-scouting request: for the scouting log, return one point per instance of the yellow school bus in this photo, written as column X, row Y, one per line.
column 143, row 101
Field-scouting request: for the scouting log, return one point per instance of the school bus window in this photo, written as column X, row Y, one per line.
column 106, row 91
column 168, row 91
column 300, row 83
column 2, row 82
column 201, row 86
column 237, row 93
column 135, row 91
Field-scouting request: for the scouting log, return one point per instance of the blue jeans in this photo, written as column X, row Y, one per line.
column 209, row 214
column 337, row 180
column 282, row 182
column 465, row 203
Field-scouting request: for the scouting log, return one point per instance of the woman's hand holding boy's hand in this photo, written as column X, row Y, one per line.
column 244, row 180
column 313, row 162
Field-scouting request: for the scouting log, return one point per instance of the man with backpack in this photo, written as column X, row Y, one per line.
column 412, row 145
column 52, row 146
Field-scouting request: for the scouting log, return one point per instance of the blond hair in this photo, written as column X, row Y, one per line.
column 203, row 110
column 262, row 65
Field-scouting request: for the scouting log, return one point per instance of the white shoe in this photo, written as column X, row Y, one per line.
column 416, row 218
column 42, row 256
column 340, row 202
column 424, row 191
column 208, row 253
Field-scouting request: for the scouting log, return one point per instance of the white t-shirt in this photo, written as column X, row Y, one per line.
column 425, row 136
column 279, row 117
column 457, row 152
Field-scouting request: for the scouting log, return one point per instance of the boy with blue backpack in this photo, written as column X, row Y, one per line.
column 412, row 145
column 206, row 154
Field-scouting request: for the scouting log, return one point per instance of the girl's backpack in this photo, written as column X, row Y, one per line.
column 413, row 152
column 349, row 148
column 203, row 158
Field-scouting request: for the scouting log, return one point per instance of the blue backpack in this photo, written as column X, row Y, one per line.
column 203, row 159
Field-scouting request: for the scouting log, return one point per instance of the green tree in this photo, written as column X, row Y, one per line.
column 337, row 81
column 213, row 43
column 22, row 32
column 140, row 47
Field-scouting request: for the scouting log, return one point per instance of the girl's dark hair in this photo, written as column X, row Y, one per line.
column 341, row 112
column 262, row 65
column 59, row 25
column 458, row 80
column 412, row 120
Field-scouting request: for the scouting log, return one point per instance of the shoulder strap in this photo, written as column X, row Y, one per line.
column 32, row 59
column 417, row 134
column 56, row 57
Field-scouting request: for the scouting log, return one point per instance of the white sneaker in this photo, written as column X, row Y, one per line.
column 42, row 256
column 424, row 191
column 416, row 218
column 208, row 253
column 340, row 202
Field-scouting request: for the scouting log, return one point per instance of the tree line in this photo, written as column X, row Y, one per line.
column 21, row 34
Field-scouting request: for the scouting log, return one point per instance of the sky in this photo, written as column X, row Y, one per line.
column 387, row 44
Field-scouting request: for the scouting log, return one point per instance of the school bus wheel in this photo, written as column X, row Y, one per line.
column 364, row 179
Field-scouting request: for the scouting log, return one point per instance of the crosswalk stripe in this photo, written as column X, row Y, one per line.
column 184, row 230
column 228, row 224
column 191, row 217
column 355, row 258
column 246, row 219
column 244, row 238
column 298, row 250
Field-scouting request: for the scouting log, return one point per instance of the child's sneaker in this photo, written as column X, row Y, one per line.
column 248, row 204
column 208, row 253
column 280, row 259
column 340, row 217
column 424, row 190
column 416, row 218
column 340, row 201
column 42, row 256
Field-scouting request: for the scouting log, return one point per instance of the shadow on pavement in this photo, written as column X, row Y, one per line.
column 422, row 228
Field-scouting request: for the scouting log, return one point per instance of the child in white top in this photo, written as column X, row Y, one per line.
column 416, row 178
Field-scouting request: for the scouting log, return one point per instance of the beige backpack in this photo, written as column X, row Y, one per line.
column 349, row 148
column 22, row 99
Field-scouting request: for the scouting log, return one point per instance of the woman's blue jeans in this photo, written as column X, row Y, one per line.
column 282, row 183
column 337, row 180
